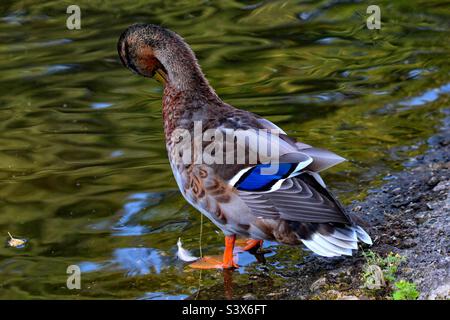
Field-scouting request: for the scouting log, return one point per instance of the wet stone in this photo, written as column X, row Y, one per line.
column 248, row 296
column 433, row 181
column 318, row 284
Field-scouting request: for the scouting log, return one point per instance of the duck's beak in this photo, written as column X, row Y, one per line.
column 160, row 76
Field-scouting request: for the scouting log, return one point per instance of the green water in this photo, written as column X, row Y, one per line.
column 84, row 175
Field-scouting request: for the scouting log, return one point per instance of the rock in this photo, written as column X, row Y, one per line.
column 248, row 296
column 420, row 217
column 433, row 181
column 408, row 243
column 440, row 293
column 375, row 280
column 332, row 293
column 397, row 190
column 318, row 284
column 443, row 185
column 409, row 224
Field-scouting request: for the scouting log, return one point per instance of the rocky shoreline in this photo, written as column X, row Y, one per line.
column 410, row 216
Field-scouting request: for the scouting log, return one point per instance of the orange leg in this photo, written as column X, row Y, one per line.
column 214, row 262
column 228, row 261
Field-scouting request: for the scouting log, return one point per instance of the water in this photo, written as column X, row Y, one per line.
column 84, row 174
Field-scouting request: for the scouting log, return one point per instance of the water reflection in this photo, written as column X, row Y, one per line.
column 128, row 224
column 100, row 105
column 427, row 97
column 162, row 296
column 86, row 267
column 139, row 261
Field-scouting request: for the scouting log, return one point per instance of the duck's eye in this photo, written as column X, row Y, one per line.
column 127, row 58
column 137, row 58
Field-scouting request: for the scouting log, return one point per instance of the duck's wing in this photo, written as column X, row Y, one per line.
column 312, row 213
column 300, row 198
column 288, row 186
column 265, row 141
column 322, row 158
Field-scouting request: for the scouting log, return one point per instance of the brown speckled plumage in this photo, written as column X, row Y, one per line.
column 302, row 210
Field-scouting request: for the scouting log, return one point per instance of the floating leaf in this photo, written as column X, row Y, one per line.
column 16, row 243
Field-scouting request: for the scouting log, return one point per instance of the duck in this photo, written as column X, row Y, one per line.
column 240, row 170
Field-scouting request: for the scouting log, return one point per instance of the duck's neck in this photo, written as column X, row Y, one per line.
column 180, row 105
column 186, row 88
column 179, row 61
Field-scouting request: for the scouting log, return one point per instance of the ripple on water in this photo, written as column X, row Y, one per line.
column 140, row 261
column 162, row 296
column 100, row 105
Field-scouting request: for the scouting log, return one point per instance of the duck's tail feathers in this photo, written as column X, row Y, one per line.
column 336, row 242
column 363, row 235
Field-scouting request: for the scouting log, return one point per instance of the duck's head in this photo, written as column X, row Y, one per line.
column 153, row 51
column 138, row 46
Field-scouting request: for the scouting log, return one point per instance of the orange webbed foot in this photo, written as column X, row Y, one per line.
column 208, row 262
column 213, row 262
column 217, row 262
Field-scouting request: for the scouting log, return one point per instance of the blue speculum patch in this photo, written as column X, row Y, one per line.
column 257, row 179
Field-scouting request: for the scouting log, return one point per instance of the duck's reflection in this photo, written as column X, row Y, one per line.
column 231, row 290
column 228, row 283
column 259, row 254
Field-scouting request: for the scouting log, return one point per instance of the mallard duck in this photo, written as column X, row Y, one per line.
column 279, row 197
